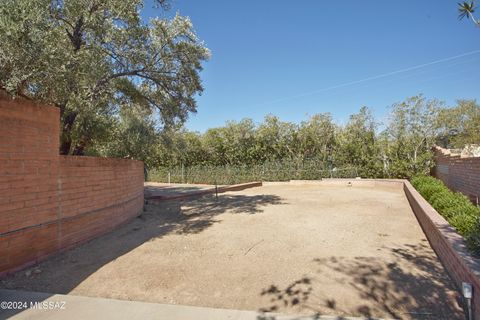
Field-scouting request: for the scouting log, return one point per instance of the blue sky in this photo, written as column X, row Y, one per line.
column 277, row 57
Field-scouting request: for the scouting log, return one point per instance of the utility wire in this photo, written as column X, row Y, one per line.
column 384, row 75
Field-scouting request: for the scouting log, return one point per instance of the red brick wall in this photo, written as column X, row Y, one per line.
column 50, row 202
column 448, row 245
column 98, row 192
column 459, row 174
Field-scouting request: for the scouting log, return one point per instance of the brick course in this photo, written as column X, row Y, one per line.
column 448, row 245
column 49, row 202
column 459, row 173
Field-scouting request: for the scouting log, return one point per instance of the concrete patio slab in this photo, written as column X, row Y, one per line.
column 60, row 307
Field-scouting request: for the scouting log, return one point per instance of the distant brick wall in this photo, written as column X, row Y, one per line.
column 50, row 202
column 460, row 174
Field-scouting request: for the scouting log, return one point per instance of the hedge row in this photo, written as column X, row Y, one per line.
column 223, row 175
column 454, row 207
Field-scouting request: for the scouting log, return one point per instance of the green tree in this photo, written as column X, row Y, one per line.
column 215, row 146
column 357, row 145
column 316, row 137
column 411, row 134
column 460, row 125
column 466, row 10
column 194, row 149
column 134, row 136
column 181, row 147
column 90, row 57
column 240, row 142
column 276, row 140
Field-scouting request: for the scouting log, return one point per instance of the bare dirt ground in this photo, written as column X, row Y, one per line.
column 283, row 248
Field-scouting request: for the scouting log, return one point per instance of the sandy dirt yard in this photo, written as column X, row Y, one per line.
column 291, row 249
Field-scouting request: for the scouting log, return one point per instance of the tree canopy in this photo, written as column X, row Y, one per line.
column 466, row 10
column 397, row 148
column 126, row 86
column 96, row 59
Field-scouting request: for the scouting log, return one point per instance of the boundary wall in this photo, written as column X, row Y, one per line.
column 49, row 202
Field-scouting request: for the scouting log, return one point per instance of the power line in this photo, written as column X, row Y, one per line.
column 346, row 84
column 414, row 75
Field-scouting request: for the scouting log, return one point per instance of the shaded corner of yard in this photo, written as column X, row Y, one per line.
column 195, row 215
column 63, row 272
column 383, row 288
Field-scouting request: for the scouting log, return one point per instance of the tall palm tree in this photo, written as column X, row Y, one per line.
column 466, row 10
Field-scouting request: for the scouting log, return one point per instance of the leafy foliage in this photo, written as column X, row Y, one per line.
column 455, row 207
column 357, row 145
column 125, row 87
column 269, row 171
column 134, row 136
column 459, row 126
column 409, row 137
column 401, row 150
column 466, row 10
column 93, row 58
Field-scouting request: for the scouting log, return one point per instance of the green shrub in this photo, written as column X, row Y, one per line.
column 440, row 199
column 455, row 207
column 269, row 171
column 448, row 202
column 460, row 210
column 429, row 191
column 464, row 223
column 426, row 180
column 427, row 186
column 473, row 238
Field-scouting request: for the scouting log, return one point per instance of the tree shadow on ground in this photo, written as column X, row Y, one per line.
column 196, row 214
column 295, row 294
column 411, row 285
column 63, row 272
column 165, row 190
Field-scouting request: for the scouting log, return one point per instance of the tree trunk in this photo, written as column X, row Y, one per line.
column 66, row 138
column 79, row 149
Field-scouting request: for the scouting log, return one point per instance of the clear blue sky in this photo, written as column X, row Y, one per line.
column 276, row 57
